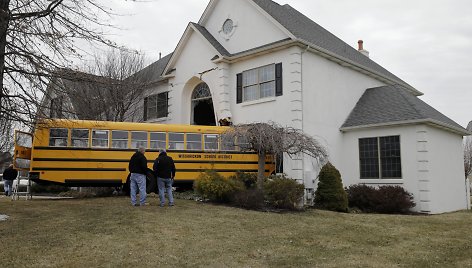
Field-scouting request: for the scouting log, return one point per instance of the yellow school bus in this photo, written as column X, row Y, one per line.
column 96, row 153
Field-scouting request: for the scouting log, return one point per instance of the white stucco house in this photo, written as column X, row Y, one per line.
column 257, row 61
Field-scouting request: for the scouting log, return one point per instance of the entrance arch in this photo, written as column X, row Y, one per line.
column 203, row 113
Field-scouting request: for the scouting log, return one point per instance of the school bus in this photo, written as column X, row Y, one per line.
column 96, row 153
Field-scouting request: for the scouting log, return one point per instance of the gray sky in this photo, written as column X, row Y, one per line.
column 427, row 43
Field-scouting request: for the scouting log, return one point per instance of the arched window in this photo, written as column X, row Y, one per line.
column 201, row 92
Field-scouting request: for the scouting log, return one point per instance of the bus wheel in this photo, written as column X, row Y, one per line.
column 126, row 187
column 151, row 183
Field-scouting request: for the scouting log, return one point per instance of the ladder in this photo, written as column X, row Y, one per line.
column 17, row 193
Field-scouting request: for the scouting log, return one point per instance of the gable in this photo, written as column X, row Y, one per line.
column 252, row 27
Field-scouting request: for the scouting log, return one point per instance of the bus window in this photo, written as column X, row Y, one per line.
column 194, row 141
column 58, row 137
column 139, row 139
column 119, row 139
column 243, row 144
column 228, row 145
column 176, row 141
column 80, row 138
column 100, row 138
column 158, row 140
column 211, row 142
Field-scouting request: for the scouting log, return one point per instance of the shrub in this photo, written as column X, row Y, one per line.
column 330, row 194
column 211, row 185
column 283, row 192
column 384, row 199
column 249, row 179
column 249, row 199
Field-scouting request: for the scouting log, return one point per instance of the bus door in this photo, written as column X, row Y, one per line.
column 23, row 148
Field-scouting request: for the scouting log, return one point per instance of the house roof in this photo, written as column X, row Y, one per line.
column 394, row 105
column 309, row 31
column 153, row 72
column 469, row 127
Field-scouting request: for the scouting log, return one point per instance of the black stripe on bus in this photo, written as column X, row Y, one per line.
column 209, row 161
column 123, row 169
column 134, row 150
column 77, row 169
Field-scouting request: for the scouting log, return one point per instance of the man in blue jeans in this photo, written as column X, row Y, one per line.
column 138, row 169
column 164, row 168
column 9, row 175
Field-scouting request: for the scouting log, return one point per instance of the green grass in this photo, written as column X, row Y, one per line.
column 109, row 232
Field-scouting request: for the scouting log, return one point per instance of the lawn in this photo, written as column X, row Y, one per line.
column 108, row 232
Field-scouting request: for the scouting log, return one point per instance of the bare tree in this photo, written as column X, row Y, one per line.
column 468, row 157
column 271, row 138
column 6, row 128
column 38, row 38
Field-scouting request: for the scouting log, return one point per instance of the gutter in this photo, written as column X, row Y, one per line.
column 431, row 122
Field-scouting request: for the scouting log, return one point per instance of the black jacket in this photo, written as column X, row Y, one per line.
column 164, row 166
column 138, row 163
column 10, row 174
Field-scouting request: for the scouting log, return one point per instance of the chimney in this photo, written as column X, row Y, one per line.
column 361, row 48
column 160, row 55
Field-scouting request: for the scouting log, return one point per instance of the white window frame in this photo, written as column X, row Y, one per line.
column 258, row 83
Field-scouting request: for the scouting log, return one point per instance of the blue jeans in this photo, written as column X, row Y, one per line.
column 138, row 181
column 165, row 184
column 8, row 187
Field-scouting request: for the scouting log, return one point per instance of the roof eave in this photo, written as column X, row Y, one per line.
column 432, row 122
column 348, row 63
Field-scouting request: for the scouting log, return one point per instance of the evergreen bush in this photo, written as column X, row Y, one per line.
column 330, row 194
column 282, row 192
column 214, row 187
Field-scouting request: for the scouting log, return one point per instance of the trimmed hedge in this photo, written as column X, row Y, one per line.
column 330, row 194
column 384, row 199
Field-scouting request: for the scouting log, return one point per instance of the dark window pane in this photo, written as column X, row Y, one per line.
column 390, row 157
column 369, row 160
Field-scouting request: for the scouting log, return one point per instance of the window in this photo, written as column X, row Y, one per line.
column 139, row 139
column 158, row 140
column 80, row 138
column 380, row 157
column 156, row 106
column 100, row 138
column 211, row 142
column 259, row 83
column 194, row 141
column 228, row 144
column 55, row 108
column 119, row 139
column 58, row 137
column 176, row 141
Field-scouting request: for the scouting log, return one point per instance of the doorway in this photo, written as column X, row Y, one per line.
column 203, row 113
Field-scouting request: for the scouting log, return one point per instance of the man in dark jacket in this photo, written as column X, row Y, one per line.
column 9, row 175
column 164, row 168
column 138, row 170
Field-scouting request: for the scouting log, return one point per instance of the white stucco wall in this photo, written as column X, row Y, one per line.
column 252, row 28
column 431, row 165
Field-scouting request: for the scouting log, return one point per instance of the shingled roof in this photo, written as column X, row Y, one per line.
column 393, row 105
column 309, row 31
column 153, row 72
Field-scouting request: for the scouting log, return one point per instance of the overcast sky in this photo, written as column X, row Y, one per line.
column 427, row 43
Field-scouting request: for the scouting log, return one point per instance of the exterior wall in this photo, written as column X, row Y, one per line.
column 329, row 93
column 252, row 28
column 194, row 59
column 425, row 152
column 446, row 171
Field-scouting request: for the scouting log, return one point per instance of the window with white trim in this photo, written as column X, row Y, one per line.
column 158, row 140
column 259, row 83
column 139, row 139
column 100, row 138
column 58, row 137
column 119, row 139
column 380, row 158
column 79, row 138
column 194, row 141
